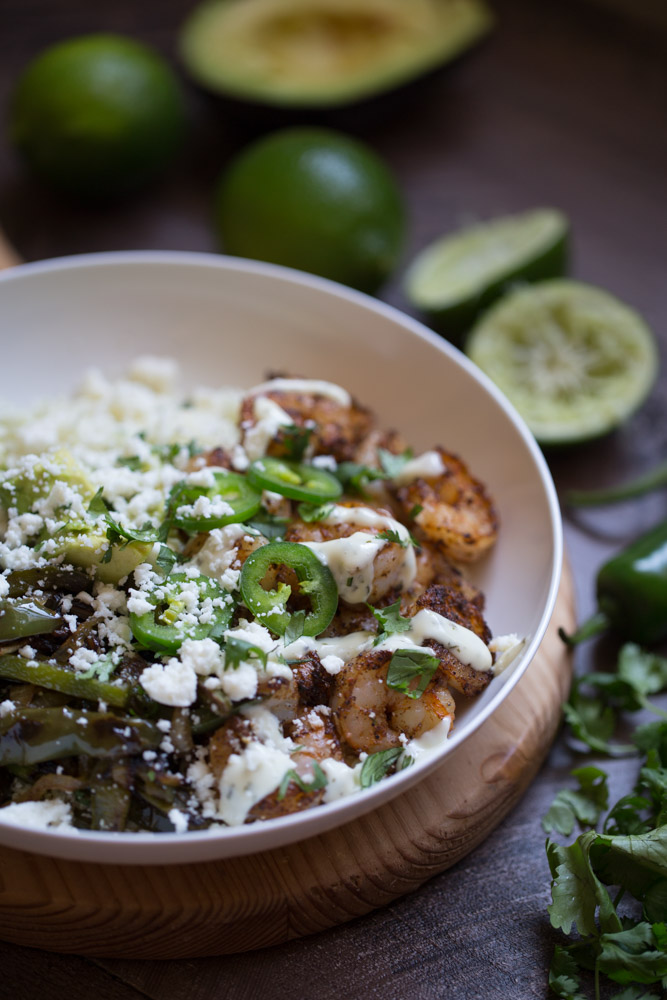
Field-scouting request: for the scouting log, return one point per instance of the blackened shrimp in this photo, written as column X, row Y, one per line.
column 453, row 509
column 334, row 424
column 369, row 553
column 372, row 716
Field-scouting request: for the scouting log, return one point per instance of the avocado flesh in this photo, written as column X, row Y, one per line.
column 89, row 549
column 322, row 53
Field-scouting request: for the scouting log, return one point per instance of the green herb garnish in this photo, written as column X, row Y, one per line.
column 408, row 666
column 377, row 765
column 390, row 620
column 621, row 857
column 319, row 781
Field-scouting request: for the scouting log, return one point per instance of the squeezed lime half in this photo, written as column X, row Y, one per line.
column 462, row 273
column 574, row 361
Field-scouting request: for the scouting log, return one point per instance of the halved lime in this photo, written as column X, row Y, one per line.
column 574, row 361
column 456, row 277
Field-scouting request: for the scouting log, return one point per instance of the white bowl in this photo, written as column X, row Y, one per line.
column 228, row 322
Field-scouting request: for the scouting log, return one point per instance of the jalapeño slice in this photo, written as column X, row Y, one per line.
column 199, row 508
column 165, row 628
column 269, row 606
column 294, row 480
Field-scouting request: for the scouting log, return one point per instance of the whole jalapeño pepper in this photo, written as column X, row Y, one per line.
column 632, row 592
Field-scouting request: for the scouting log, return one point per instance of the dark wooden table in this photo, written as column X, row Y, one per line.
column 565, row 105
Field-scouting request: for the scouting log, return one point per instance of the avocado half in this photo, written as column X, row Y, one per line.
column 324, row 53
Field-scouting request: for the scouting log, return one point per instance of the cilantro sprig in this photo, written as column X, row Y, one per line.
column 390, row 621
column 609, row 886
column 121, row 536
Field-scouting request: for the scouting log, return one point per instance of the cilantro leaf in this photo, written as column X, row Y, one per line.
column 392, row 464
column 409, row 665
column 636, row 993
column 355, row 477
column 295, row 626
column 132, row 462
column 238, row 650
column 592, row 722
column 98, row 505
column 320, row 780
column 564, row 978
column 633, row 955
column 377, row 765
column 268, row 525
column 295, row 440
column 391, row 535
column 584, row 805
column 390, row 620
column 309, row 512
column 576, row 891
column 101, row 670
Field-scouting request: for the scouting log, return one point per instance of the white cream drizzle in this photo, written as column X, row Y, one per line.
column 427, row 466
column 461, row 641
column 269, row 419
column 307, row 386
column 351, row 560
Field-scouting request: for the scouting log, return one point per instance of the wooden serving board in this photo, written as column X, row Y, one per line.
column 234, row 905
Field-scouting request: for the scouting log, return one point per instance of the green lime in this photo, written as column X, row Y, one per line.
column 97, row 115
column 455, row 278
column 574, row 361
column 315, row 200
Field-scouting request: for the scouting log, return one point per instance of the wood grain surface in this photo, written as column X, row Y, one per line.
column 269, row 898
column 564, row 105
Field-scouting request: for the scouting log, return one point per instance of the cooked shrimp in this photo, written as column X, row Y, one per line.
column 371, row 566
column 456, row 510
column 336, row 423
column 453, row 604
column 372, row 716
column 433, row 566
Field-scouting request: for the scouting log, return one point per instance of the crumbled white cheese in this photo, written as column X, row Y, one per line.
column 172, row 683
column 38, row 815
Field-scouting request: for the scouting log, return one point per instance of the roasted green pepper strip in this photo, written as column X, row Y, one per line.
column 632, row 592
column 55, row 678
column 315, row 581
column 294, row 480
column 32, row 735
column 49, row 578
column 164, row 630
column 231, row 501
column 21, row 618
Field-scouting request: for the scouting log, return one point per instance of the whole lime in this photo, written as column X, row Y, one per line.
column 315, row 200
column 97, row 115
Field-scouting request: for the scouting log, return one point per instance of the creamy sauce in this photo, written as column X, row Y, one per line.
column 426, row 466
column 270, row 418
column 462, row 642
column 305, row 386
column 429, row 741
column 257, row 771
column 351, row 560
column 351, row 563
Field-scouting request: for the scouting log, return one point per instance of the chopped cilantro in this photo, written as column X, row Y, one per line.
column 132, row 462
column 294, row 628
column 416, row 510
column 309, row 512
column 393, row 464
column 391, row 535
column 268, row 525
column 101, row 670
column 296, row 440
column 319, row 781
column 238, row 650
column 377, row 765
column 409, row 665
column 390, row 620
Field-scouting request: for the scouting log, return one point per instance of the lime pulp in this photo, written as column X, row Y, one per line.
column 575, row 361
